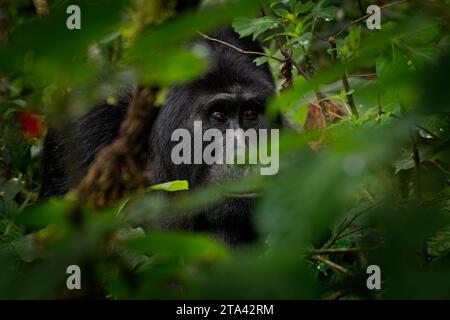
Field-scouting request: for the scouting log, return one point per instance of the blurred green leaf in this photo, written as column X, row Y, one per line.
column 179, row 244
column 46, row 213
column 8, row 190
column 303, row 7
column 178, row 185
column 32, row 48
column 321, row 10
column 256, row 26
column 164, row 69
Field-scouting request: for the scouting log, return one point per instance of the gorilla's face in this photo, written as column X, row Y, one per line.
column 231, row 95
column 239, row 107
column 233, row 110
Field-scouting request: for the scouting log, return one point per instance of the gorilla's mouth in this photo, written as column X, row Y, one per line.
column 242, row 190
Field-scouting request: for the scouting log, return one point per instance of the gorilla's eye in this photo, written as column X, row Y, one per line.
column 219, row 115
column 250, row 114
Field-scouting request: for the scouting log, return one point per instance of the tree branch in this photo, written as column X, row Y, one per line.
column 368, row 16
column 416, row 158
column 341, row 250
column 346, row 224
column 42, row 8
column 336, row 295
column 333, row 265
column 350, row 99
column 361, row 19
column 118, row 168
column 343, row 235
column 256, row 53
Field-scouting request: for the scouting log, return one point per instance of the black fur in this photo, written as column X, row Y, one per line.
column 66, row 159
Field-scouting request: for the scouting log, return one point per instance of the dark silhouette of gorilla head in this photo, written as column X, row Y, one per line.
column 232, row 94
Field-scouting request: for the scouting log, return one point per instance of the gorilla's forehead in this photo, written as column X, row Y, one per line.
column 232, row 87
column 238, row 95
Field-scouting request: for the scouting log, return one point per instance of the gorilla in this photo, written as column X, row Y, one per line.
column 231, row 94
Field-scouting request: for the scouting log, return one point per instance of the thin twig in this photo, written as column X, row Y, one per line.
column 347, row 223
column 418, row 184
column 300, row 69
column 416, row 158
column 393, row 115
column 341, row 250
column 361, row 19
column 361, row 6
column 256, row 53
column 336, row 295
column 118, row 168
column 427, row 131
column 334, row 265
column 439, row 166
column 380, row 109
column 345, row 83
column 435, row 8
column 350, row 98
column 369, row 15
column 368, row 195
column 320, row 95
column 288, row 57
column 335, row 114
column 42, row 8
column 352, row 232
column 364, row 75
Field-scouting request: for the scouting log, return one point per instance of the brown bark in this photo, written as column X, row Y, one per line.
column 119, row 168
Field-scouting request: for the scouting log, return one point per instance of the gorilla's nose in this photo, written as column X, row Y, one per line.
column 238, row 146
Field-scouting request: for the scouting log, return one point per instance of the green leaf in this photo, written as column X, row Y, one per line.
column 322, row 267
column 405, row 161
column 303, row 7
column 441, row 242
column 261, row 60
column 424, row 34
column 8, row 191
column 302, row 112
column 254, row 26
column 326, row 13
column 170, row 68
column 186, row 26
column 282, row 13
column 292, row 3
column 354, row 37
column 303, row 40
column 389, row 65
column 181, row 244
column 45, row 213
column 26, row 247
column 48, row 50
column 177, row 185
column 11, row 188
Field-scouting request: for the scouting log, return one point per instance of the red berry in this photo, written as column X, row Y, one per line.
column 31, row 125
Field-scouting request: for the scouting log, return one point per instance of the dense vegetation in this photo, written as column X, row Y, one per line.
column 364, row 171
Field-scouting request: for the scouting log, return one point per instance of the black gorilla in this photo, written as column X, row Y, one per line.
column 232, row 94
